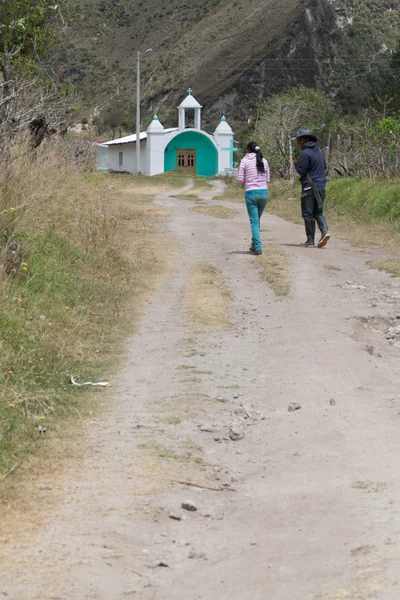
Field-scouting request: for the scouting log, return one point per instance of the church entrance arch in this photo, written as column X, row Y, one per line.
column 194, row 151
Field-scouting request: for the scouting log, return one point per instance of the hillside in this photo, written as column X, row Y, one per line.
column 231, row 52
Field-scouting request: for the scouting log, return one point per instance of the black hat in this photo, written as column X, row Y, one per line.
column 304, row 133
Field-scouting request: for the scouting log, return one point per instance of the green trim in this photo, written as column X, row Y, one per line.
column 206, row 152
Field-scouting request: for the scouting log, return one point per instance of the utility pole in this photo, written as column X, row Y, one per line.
column 139, row 54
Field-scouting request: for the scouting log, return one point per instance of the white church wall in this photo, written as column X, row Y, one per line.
column 122, row 157
column 224, row 156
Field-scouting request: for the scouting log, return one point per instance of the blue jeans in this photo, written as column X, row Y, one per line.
column 256, row 201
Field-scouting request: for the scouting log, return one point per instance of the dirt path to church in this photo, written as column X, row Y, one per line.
column 306, row 505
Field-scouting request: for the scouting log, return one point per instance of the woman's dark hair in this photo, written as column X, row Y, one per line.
column 253, row 147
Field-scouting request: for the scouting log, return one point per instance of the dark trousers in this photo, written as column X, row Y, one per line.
column 311, row 211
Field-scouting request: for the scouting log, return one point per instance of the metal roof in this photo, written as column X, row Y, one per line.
column 131, row 139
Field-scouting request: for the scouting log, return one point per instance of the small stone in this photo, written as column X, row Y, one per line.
column 206, row 428
column 174, row 516
column 235, row 396
column 236, row 433
column 44, row 487
column 332, row 402
column 189, row 505
column 42, row 318
column 294, row 406
column 194, row 554
column 161, row 563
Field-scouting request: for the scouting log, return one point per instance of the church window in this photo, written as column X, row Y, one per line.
column 120, row 159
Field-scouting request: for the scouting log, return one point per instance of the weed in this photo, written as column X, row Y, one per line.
column 185, row 367
column 275, row 270
column 220, row 212
column 207, row 300
column 185, row 197
column 370, row 349
column 390, row 266
column 169, row 420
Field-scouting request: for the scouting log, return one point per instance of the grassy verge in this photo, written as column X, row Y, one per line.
column 274, row 267
column 362, row 211
column 390, row 266
column 207, row 300
column 76, row 267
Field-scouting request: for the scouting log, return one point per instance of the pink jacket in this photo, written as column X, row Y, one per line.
column 248, row 174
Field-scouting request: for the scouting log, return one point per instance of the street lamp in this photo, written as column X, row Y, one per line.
column 139, row 54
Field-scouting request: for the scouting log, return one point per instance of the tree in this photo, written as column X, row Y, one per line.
column 27, row 33
column 282, row 115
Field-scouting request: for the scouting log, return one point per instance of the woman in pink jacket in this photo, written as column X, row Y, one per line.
column 254, row 174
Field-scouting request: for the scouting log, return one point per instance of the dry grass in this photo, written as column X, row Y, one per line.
column 189, row 196
column 207, row 301
column 233, row 192
column 86, row 259
column 220, row 212
column 274, row 267
column 390, row 266
column 159, row 469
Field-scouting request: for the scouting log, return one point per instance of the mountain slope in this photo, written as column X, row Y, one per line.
column 231, row 52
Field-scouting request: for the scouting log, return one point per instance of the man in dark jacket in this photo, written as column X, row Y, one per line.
column 312, row 170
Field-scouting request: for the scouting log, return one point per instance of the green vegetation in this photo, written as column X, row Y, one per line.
column 106, row 33
column 363, row 200
column 73, row 257
column 365, row 144
column 366, row 200
column 362, row 210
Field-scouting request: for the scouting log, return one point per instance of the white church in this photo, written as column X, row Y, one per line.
column 185, row 148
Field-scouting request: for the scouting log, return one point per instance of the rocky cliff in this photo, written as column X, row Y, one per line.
column 233, row 53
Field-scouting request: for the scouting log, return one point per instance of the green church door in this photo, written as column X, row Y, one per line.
column 186, row 160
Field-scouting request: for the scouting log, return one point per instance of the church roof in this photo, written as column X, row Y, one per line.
column 190, row 102
column 129, row 139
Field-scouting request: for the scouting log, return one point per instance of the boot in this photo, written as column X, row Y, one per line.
column 310, row 233
column 323, row 227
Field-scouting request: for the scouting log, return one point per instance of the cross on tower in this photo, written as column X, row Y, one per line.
column 231, row 149
column 189, row 91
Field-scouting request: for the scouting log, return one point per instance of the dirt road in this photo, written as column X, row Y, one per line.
column 306, row 505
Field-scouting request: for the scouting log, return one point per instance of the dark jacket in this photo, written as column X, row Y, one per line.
column 312, row 160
